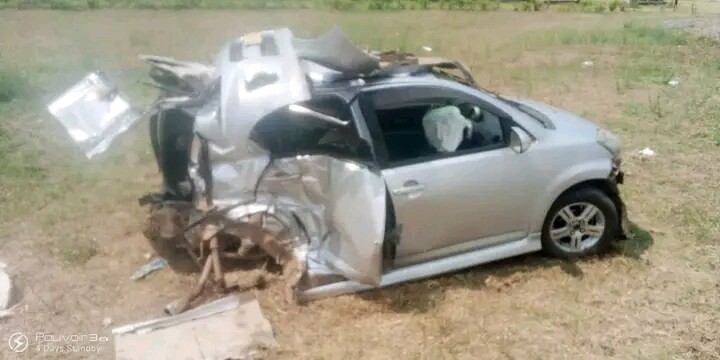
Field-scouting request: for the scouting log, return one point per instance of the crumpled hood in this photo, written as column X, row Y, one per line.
column 563, row 120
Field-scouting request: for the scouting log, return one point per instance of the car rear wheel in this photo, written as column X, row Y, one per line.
column 581, row 222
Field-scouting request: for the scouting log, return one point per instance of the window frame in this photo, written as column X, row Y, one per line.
column 364, row 153
column 373, row 123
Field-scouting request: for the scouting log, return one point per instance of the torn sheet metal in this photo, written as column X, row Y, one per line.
column 335, row 51
column 340, row 206
column 234, row 181
column 346, row 204
column 260, row 73
column 445, row 128
column 4, row 314
column 355, row 214
column 446, row 64
column 93, row 112
column 6, row 289
column 148, row 269
column 182, row 76
column 333, row 209
column 229, row 328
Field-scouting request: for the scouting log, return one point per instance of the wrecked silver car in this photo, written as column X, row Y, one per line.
column 352, row 170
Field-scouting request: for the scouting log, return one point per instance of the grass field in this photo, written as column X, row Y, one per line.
column 69, row 227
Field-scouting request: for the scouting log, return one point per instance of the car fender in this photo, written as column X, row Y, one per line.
column 596, row 169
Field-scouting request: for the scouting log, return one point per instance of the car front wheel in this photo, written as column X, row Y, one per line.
column 580, row 222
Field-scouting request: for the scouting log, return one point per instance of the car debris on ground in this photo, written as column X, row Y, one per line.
column 107, row 321
column 229, row 328
column 6, row 313
column 6, row 289
column 148, row 269
column 646, row 153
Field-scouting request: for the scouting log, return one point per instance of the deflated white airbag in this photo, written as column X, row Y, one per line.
column 445, row 128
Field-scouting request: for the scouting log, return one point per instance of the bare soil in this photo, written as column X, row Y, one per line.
column 703, row 25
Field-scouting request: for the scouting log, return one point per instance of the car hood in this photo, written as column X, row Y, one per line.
column 563, row 120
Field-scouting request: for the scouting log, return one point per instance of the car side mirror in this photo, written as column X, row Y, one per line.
column 520, row 140
column 297, row 109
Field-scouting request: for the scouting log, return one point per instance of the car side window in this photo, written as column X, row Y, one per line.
column 429, row 123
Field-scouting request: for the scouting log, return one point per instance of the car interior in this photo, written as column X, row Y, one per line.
column 406, row 138
column 287, row 134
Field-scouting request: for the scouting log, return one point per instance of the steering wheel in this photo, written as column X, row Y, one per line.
column 475, row 114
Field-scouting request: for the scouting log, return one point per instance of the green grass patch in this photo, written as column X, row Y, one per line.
column 77, row 252
column 639, row 240
column 632, row 34
column 17, row 165
column 12, row 84
column 715, row 135
column 644, row 71
column 635, row 109
column 648, row 55
column 479, row 5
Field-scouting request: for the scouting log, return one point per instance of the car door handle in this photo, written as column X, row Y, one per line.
column 409, row 188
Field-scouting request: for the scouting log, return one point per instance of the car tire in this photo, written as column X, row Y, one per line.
column 580, row 222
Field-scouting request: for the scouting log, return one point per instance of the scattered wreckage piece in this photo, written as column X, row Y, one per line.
column 94, row 113
column 394, row 60
column 276, row 154
column 6, row 289
column 148, row 269
column 7, row 312
column 236, row 322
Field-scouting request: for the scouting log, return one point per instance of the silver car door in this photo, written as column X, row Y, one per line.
column 355, row 215
column 456, row 200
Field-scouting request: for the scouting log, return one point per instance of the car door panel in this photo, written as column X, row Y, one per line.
column 445, row 202
column 452, row 201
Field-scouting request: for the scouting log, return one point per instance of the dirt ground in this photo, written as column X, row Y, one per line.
column 705, row 26
column 70, row 228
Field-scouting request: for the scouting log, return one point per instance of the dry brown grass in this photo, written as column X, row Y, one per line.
column 637, row 303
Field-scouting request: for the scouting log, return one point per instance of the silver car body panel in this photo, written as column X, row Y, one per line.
column 459, row 248
column 335, row 51
column 94, row 113
column 340, row 206
column 433, row 267
column 253, row 85
column 334, row 209
column 433, row 200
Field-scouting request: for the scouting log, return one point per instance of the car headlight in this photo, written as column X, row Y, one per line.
column 609, row 141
